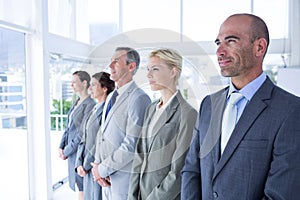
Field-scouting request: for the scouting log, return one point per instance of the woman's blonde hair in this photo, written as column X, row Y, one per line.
column 170, row 56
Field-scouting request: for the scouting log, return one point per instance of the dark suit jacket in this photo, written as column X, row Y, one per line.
column 261, row 159
column 159, row 159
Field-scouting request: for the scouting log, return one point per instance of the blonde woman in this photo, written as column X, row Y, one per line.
column 166, row 134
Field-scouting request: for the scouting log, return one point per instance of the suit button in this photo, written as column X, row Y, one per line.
column 215, row 194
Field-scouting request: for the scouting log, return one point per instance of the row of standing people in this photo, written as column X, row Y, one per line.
column 166, row 124
column 146, row 150
column 83, row 122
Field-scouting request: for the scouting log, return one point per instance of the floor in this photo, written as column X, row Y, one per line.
column 64, row 193
column 13, row 169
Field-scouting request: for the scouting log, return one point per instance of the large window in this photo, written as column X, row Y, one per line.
column 17, row 11
column 95, row 21
column 13, row 116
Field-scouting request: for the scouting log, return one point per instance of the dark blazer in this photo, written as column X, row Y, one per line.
column 261, row 159
column 72, row 136
column 159, row 159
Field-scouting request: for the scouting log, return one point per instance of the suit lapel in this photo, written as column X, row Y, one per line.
column 151, row 112
column 165, row 116
column 99, row 113
column 120, row 100
column 211, row 141
column 250, row 114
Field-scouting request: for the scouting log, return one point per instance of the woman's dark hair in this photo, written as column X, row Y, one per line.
column 105, row 81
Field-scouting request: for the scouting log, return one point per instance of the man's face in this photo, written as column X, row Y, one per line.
column 235, row 50
column 118, row 67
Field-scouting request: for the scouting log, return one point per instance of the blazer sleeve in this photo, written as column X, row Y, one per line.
column 191, row 177
column 124, row 154
column 134, row 190
column 79, row 156
column 63, row 140
column 73, row 144
column 283, row 181
column 97, row 150
column 171, row 183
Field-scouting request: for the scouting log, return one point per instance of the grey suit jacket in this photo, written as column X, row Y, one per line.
column 72, row 136
column 87, row 146
column 261, row 159
column 118, row 136
column 159, row 158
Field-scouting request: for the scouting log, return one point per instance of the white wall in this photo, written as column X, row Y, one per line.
column 289, row 79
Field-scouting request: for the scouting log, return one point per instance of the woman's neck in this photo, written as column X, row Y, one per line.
column 166, row 95
column 101, row 98
column 82, row 97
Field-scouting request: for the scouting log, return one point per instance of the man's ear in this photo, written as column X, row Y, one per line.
column 261, row 47
column 132, row 66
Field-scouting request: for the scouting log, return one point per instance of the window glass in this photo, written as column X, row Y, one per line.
column 91, row 22
column 13, row 115
column 61, row 16
column 201, row 21
column 103, row 19
column 17, row 11
column 275, row 14
column 139, row 14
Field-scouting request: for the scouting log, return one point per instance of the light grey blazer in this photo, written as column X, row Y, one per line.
column 87, row 146
column 261, row 159
column 159, row 158
column 86, row 152
column 72, row 137
column 118, row 136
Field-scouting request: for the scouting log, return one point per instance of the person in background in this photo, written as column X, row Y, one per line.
column 260, row 159
column 121, row 126
column 72, row 135
column 101, row 86
column 166, row 135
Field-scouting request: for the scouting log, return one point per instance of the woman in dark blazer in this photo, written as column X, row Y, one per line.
column 73, row 133
column 166, row 135
column 101, row 86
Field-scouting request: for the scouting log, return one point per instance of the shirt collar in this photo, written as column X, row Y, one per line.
column 168, row 102
column 122, row 89
column 250, row 89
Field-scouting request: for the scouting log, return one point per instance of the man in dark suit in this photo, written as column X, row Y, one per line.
column 261, row 158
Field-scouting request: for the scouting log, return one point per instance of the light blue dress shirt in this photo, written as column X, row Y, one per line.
column 247, row 91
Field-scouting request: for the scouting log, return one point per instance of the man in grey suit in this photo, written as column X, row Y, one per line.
column 121, row 126
column 261, row 159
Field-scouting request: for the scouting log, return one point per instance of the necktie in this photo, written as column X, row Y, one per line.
column 111, row 102
column 229, row 118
